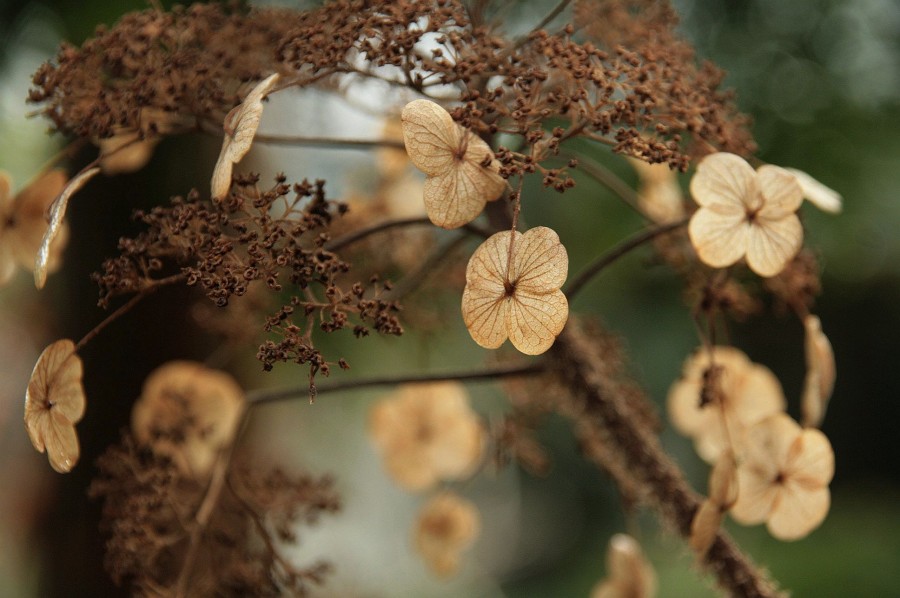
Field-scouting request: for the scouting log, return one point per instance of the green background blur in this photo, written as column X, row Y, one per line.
column 821, row 79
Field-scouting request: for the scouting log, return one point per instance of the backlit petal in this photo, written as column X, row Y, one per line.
column 725, row 180
column 719, row 240
column 771, row 244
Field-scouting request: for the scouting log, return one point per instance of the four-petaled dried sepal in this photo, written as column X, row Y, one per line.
column 54, row 403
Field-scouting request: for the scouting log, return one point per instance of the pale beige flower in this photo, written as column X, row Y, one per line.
column 188, row 412
column 745, row 214
column 659, row 194
column 447, row 525
column 521, row 301
column 240, row 129
column 823, row 197
column 54, row 403
column 738, row 393
column 723, row 492
column 23, row 222
column 427, row 433
column 461, row 172
column 783, row 478
column 820, row 373
column 628, row 573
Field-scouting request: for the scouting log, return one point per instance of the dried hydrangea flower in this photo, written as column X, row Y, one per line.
column 723, row 492
column 462, row 174
column 23, row 222
column 240, row 129
column 734, row 394
column 628, row 574
column 783, row 478
column 745, row 213
column 659, row 194
column 820, row 373
column 46, row 253
column 823, row 197
column 188, row 412
column 447, row 525
column 54, row 403
column 427, row 433
column 521, row 301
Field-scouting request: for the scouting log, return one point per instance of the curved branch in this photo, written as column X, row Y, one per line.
column 357, row 235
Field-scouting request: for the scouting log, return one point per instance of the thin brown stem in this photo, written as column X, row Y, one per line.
column 270, row 396
column 358, row 235
column 605, row 177
column 611, row 256
column 330, row 142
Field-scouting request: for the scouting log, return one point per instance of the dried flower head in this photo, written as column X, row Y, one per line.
column 519, row 299
column 54, row 403
column 23, row 223
column 427, row 433
column 722, row 393
column 783, row 478
column 628, row 574
column 659, row 194
column 820, row 373
column 745, row 213
column 187, row 413
column 240, row 129
column 447, row 525
column 462, row 174
column 824, row 198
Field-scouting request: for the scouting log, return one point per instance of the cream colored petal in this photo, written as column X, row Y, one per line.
column 705, row 526
column 628, row 569
column 798, row 512
column 820, row 373
column 7, row 258
column 534, row 321
column 489, row 179
column 684, row 408
column 771, row 244
column 456, row 197
column 125, row 152
column 724, row 180
column 757, row 495
column 811, row 464
column 221, row 177
column 719, row 240
column 540, row 263
column 431, row 136
column 55, row 382
column 244, row 121
column 756, row 394
column 57, row 213
column 770, row 443
column 780, row 190
column 723, row 481
column 61, row 442
column 484, row 312
column 447, row 525
column 6, row 197
column 819, row 195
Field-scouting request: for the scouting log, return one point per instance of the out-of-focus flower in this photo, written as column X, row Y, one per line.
column 718, row 398
column 659, row 194
column 447, row 525
column 745, row 213
column 824, row 198
column 23, row 222
column 188, row 412
column 462, row 174
column 54, row 403
column 427, row 433
column 783, row 478
column 392, row 162
column 521, row 301
column 628, row 574
column 125, row 152
column 820, row 373
column 723, row 492
column 240, row 129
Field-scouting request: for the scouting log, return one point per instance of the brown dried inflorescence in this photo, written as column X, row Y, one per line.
column 277, row 238
column 157, row 544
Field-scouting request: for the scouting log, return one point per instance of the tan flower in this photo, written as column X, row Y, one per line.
column 54, row 403
column 462, row 174
column 745, row 214
column 824, row 198
column 188, row 413
column 723, row 492
column 628, row 574
column 240, row 129
column 715, row 406
column 23, row 222
column 783, row 478
column 447, row 525
column 820, row 373
column 521, row 301
column 659, row 194
column 427, row 433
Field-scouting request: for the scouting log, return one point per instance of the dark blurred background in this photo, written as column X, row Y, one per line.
column 821, row 79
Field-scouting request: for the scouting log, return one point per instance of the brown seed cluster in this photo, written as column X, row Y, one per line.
column 275, row 238
column 149, row 520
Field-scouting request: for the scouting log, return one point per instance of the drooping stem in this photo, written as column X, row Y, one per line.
column 605, row 177
column 358, row 235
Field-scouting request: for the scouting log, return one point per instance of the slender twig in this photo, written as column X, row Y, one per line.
column 615, row 253
column 333, row 142
column 269, row 396
column 548, row 18
column 341, row 242
column 605, row 177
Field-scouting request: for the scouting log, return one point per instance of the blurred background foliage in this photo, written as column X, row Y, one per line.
column 821, row 79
